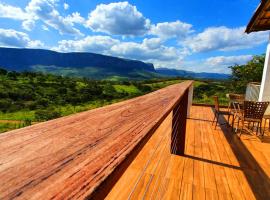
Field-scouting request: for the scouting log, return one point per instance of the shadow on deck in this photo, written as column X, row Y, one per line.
column 217, row 165
column 253, row 158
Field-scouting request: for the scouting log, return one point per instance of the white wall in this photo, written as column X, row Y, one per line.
column 265, row 85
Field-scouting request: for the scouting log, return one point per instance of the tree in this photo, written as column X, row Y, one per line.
column 13, row 75
column 109, row 91
column 47, row 114
column 144, row 88
column 250, row 72
column 3, row 71
column 5, row 104
column 44, row 102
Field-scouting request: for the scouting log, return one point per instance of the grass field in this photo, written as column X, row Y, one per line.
column 19, row 115
column 4, row 126
column 163, row 84
column 130, row 89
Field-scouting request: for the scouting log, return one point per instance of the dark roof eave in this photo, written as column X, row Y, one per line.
column 254, row 17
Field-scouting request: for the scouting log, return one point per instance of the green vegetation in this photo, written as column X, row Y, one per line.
column 97, row 73
column 30, row 97
column 204, row 91
column 130, row 89
column 7, row 127
column 10, row 125
column 160, row 84
column 250, row 72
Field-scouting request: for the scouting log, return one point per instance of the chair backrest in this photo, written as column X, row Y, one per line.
column 254, row 109
column 236, row 98
column 216, row 103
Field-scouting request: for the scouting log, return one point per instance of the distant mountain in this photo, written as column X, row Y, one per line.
column 74, row 64
column 183, row 73
column 89, row 65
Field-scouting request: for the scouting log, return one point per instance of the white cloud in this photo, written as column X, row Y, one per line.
column 152, row 43
column 12, row 12
column 228, row 60
column 216, row 64
column 16, row 13
column 45, row 28
column 150, row 50
column 118, row 18
column 66, row 6
column 45, row 10
column 13, row 38
column 28, row 24
column 224, row 39
column 75, row 18
column 168, row 30
column 35, row 44
column 97, row 44
column 141, row 51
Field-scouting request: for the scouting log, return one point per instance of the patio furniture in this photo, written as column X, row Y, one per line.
column 267, row 117
column 235, row 106
column 239, row 98
column 253, row 112
column 218, row 112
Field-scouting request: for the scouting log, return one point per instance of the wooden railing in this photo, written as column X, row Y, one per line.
column 82, row 155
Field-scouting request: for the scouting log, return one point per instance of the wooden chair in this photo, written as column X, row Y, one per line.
column 218, row 112
column 267, row 117
column 253, row 112
column 239, row 98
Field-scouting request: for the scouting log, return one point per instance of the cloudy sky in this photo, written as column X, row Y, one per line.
column 188, row 34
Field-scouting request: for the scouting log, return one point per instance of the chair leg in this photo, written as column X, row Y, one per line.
column 257, row 130
column 228, row 124
column 214, row 118
column 229, row 106
column 261, row 130
column 232, row 122
column 217, row 121
column 237, row 125
column 242, row 127
column 264, row 125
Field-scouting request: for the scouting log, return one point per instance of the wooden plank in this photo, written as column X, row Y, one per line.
column 72, row 156
column 209, row 181
column 140, row 164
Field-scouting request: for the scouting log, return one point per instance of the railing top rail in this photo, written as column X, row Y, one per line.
column 71, row 156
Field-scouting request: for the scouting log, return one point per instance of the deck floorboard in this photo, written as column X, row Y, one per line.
column 217, row 165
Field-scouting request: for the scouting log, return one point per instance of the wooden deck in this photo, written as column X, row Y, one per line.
column 217, row 165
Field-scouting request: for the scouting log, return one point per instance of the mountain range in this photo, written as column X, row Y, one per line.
column 190, row 74
column 89, row 65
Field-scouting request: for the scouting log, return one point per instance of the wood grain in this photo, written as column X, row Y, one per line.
column 70, row 157
column 217, row 164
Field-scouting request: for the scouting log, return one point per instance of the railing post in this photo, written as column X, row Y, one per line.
column 190, row 99
column 179, row 121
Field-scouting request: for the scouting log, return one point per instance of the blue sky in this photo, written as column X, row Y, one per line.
column 188, row 34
